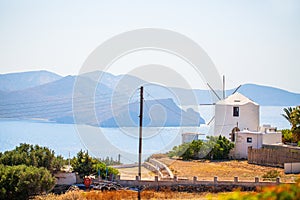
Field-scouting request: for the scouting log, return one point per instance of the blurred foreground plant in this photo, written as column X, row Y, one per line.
column 283, row 191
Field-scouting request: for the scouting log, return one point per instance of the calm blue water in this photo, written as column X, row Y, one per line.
column 69, row 138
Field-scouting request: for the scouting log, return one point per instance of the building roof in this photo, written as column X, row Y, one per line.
column 235, row 99
column 190, row 133
column 250, row 132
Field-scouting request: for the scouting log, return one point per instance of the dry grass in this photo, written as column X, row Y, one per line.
column 126, row 194
column 131, row 173
column 225, row 170
column 205, row 170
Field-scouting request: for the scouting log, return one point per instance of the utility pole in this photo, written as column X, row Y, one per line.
column 140, row 132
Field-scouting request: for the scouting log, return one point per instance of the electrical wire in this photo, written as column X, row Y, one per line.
column 170, row 109
column 101, row 103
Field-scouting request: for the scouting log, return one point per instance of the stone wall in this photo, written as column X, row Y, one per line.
column 197, row 186
column 273, row 155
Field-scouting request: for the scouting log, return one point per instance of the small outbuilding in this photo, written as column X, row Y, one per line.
column 244, row 139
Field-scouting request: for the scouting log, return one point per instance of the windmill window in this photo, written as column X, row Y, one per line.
column 236, row 111
column 249, row 140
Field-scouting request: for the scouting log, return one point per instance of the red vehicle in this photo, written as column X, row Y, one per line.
column 87, row 182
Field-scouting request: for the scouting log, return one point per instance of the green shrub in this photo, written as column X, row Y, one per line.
column 215, row 148
column 21, row 182
column 85, row 165
column 29, row 155
column 287, row 136
column 271, row 175
column 283, row 191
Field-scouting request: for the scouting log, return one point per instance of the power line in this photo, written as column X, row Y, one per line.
column 106, row 96
column 59, row 103
column 172, row 110
column 100, row 102
column 59, row 108
column 148, row 108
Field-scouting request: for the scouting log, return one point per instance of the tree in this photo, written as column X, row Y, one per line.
column 215, row 148
column 86, row 165
column 221, row 149
column 287, row 113
column 82, row 164
column 21, row 181
column 293, row 116
column 109, row 161
column 287, row 135
column 30, row 155
column 295, row 121
column 58, row 163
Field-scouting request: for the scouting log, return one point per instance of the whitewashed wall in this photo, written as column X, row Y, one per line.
column 225, row 121
column 241, row 145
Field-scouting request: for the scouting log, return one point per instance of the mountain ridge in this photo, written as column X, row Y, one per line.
column 23, row 80
column 57, row 100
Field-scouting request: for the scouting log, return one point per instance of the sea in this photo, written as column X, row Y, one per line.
column 68, row 139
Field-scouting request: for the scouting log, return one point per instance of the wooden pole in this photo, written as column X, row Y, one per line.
column 140, row 132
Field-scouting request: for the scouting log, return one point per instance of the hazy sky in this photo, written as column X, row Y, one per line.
column 254, row 41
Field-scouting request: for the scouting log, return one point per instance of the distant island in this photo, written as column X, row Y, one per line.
column 46, row 95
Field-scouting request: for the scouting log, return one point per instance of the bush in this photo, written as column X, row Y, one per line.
column 30, row 155
column 215, row 148
column 283, row 191
column 21, row 182
column 221, row 148
column 86, row 165
column 271, row 175
column 26, row 171
column 178, row 151
column 287, row 136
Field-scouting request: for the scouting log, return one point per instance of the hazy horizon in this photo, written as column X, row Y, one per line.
column 203, row 88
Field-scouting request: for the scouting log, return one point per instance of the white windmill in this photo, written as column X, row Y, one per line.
column 233, row 113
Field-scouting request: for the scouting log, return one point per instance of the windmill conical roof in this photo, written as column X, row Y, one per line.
column 235, row 99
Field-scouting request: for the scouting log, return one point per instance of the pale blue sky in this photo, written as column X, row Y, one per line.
column 254, row 41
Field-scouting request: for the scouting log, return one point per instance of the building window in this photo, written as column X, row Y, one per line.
column 249, row 140
column 236, row 111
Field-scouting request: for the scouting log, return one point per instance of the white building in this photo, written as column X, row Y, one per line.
column 237, row 118
column 256, row 139
column 236, row 111
column 244, row 139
